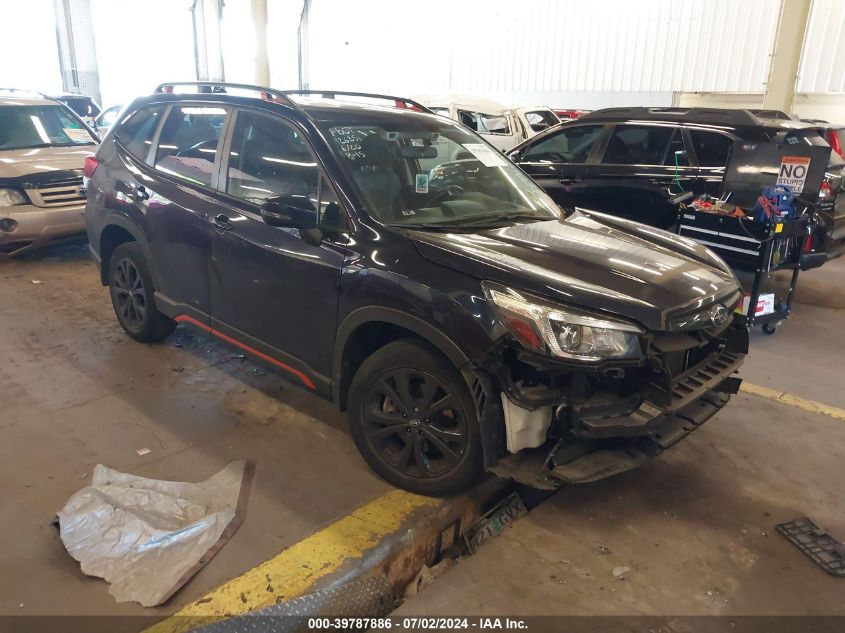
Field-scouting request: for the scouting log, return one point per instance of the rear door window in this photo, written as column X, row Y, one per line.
column 570, row 145
column 711, row 149
column 485, row 123
column 638, row 145
column 136, row 134
column 188, row 142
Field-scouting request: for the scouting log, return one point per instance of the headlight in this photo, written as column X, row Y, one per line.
column 561, row 331
column 11, row 197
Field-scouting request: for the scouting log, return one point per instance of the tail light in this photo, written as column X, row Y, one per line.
column 825, row 192
column 835, row 143
column 91, row 164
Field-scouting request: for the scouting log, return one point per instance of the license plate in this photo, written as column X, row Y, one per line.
column 493, row 522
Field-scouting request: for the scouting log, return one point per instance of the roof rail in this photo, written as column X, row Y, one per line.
column 403, row 103
column 284, row 96
column 266, row 94
column 693, row 115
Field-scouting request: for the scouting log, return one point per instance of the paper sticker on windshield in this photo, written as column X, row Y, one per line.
column 487, row 155
column 793, row 172
column 76, row 134
column 422, row 183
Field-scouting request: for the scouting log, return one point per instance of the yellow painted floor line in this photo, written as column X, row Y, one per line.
column 794, row 401
column 294, row 571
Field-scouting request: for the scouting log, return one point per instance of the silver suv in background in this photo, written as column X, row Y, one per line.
column 43, row 147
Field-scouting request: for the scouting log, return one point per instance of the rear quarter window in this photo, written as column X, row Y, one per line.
column 136, row 131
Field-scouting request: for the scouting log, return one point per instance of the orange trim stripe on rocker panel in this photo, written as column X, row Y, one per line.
column 184, row 318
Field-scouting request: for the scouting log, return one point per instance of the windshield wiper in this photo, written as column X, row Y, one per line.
column 508, row 217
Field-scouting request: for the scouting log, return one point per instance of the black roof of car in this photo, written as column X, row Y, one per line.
column 706, row 116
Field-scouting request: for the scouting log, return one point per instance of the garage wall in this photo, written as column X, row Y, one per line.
column 553, row 50
column 823, row 58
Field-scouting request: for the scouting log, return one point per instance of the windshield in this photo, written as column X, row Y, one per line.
column 431, row 172
column 539, row 120
column 40, row 126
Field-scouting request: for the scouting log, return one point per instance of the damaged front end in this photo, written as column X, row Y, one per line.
column 563, row 421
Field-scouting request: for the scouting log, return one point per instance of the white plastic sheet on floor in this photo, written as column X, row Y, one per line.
column 147, row 537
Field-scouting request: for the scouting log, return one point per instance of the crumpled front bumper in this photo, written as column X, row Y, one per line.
column 613, row 435
column 34, row 227
column 582, row 460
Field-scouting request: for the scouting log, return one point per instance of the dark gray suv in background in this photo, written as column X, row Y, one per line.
column 460, row 318
column 626, row 161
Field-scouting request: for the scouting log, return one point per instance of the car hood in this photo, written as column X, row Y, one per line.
column 593, row 261
column 41, row 161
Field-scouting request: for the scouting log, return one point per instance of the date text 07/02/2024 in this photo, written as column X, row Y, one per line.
column 416, row 623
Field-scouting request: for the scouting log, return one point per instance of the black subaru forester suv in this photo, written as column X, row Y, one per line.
column 393, row 261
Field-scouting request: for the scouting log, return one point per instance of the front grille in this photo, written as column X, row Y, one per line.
column 58, row 193
column 683, row 365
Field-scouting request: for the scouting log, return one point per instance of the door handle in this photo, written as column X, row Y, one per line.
column 221, row 222
column 570, row 181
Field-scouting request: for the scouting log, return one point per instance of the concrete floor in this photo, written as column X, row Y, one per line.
column 696, row 527
column 76, row 391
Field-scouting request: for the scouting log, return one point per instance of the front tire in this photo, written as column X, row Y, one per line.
column 131, row 289
column 414, row 421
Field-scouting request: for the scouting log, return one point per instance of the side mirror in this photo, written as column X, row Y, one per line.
column 289, row 211
column 515, row 156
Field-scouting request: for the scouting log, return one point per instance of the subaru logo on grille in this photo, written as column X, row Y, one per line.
column 718, row 315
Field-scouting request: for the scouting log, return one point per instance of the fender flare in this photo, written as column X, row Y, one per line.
column 136, row 233
column 418, row 326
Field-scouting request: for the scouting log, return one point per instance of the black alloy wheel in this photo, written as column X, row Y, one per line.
column 413, row 419
column 132, row 295
column 414, row 422
column 130, row 300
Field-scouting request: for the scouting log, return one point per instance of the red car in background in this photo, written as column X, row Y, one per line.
column 569, row 114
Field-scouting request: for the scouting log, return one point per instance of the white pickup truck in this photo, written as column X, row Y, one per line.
column 502, row 126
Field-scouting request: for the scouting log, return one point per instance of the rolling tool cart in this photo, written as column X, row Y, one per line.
column 761, row 221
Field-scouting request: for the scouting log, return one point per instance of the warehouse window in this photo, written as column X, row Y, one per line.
column 712, row 149
column 637, row 145
column 188, row 142
column 570, row 145
column 136, row 134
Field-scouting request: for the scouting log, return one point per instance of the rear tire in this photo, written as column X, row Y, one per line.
column 413, row 419
column 131, row 289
